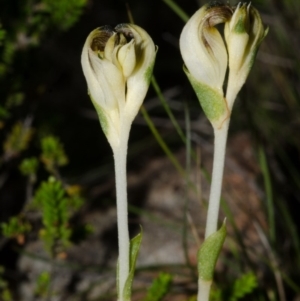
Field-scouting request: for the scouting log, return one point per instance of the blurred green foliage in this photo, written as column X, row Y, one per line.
column 5, row 293
column 29, row 166
column 159, row 288
column 17, row 140
column 64, row 13
column 53, row 154
column 54, row 203
column 15, row 227
column 32, row 20
column 2, row 34
column 241, row 287
column 43, row 285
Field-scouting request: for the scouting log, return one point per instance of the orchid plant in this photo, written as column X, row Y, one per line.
column 117, row 64
column 207, row 57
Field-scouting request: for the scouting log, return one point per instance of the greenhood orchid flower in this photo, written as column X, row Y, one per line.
column 243, row 34
column 117, row 64
column 205, row 57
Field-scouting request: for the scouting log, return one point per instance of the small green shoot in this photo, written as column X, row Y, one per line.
column 209, row 253
column 135, row 244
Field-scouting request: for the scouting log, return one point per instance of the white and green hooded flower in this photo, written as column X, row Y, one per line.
column 243, row 34
column 207, row 57
column 117, row 64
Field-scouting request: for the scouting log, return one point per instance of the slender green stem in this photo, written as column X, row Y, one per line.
column 120, row 155
column 217, row 178
column 167, row 109
column 187, row 186
column 291, row 227
column 177, row 9
column 161, row 142
column 269, row 192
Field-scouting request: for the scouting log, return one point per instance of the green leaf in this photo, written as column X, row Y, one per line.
column 211, row 100
column 209, row 253
column 135, row 244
